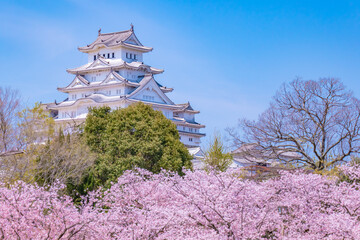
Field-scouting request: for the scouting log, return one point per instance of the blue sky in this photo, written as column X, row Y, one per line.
column 228, row 58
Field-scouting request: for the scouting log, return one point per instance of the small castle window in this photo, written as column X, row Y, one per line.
column 108, row 55
column 148, row 98
column 190, row 139
column 94, row 57
column 135, row 56
column 104, row 55
column 127, row 55
column 113, row 55
column 130, row 55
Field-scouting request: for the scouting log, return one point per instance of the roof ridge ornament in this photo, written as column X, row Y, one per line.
column 99, row 32
column 131, row 27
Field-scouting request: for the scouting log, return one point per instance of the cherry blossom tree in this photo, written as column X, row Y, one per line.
column 199, row 205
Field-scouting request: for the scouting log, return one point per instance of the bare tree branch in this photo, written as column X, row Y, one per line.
column 312, row 123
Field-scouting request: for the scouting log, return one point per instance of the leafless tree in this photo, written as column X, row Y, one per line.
column 9, row 105
column 46, row 155
column 63, row 159
column 309, row 123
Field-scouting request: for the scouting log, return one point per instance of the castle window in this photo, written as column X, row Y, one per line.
column 148, row 98
column 73, row 96
column 130, row 55
column 104, row 55
column 94, row 57
column 127, row 55
column 190, row 139
column 113, row 55
column 73, row 114
column 184, row 128
column 83, row 95
column 135, row 56
column 118, row 91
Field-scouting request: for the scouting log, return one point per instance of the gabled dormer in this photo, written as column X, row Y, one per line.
column 78, row 82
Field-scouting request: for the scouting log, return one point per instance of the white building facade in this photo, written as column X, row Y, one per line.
column 116, row 76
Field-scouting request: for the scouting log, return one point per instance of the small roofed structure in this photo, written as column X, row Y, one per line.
column 251, row 154
column 198, row 157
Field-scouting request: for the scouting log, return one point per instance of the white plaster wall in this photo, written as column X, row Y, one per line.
column 189, row 117
column 185, row 140
column 100, row 76
column 139, row 57
column 119, row 53
column 144, row 96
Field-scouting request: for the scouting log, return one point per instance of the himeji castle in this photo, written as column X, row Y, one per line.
column 116, row 76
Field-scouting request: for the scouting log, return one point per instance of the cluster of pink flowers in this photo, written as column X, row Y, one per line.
column 199, row 205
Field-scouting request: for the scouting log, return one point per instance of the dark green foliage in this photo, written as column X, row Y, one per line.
column 136, row 136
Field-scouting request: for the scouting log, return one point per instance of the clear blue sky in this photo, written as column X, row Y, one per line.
column 227, row 58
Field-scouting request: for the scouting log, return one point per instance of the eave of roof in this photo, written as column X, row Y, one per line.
column 98, row 84
column 192, row 133
column 121, row 64
column 186, row 107
column 183, row 122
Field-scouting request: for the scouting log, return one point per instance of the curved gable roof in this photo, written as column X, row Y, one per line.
column 123, row 38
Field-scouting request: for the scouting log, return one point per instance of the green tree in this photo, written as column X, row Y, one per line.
column 127, row 138
column 216, row 156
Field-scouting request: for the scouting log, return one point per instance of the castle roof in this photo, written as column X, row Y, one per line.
column 112, row 79
column 125, row 39
column 186, row 107
column 107, row 64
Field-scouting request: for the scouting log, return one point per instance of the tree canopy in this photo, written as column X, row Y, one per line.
column 309, row 123
column 132, row 137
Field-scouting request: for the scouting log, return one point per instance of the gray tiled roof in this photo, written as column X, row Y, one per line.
column 110, row 39
column 115, row 39
column 105, row 64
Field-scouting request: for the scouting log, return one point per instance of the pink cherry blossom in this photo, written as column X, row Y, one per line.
column 199, row 205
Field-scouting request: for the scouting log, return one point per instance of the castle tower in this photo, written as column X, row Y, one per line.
column 116, row 76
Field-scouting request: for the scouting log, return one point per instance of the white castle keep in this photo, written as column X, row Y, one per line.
column 116, row 76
